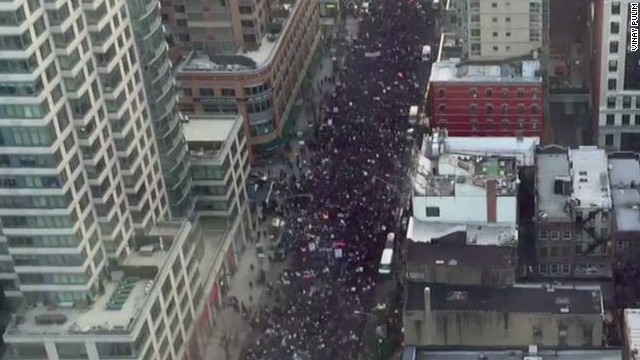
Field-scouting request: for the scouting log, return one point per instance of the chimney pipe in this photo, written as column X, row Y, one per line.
column 427, row 301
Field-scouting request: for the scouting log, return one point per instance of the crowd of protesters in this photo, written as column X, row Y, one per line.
column 353, row 161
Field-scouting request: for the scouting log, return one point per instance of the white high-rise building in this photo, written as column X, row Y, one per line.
column 80, row 172
column 499, row 29
column 617, row 60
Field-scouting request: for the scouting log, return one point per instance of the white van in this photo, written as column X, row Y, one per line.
column 387, row 255
column 426, row 53
column 413, row 115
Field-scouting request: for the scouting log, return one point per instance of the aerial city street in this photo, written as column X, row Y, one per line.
column 320, row 179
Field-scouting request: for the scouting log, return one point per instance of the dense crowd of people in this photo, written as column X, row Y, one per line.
column 354, row 160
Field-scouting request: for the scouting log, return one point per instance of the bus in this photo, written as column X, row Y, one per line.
column 387, row 255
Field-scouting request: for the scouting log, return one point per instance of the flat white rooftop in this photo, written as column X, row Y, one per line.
column 632, row 328
column 590, row 180
column 454, row 70
column 624, row 175
column 522, row 149
column 549, row 167
column 476, row 234
column 205, row 130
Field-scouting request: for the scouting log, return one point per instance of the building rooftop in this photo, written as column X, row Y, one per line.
column 632, row 328
column 542, row 299
column 624, row 175
column 571, row 178
column 522, row 149
column 117, row 309
column 456, row 70
column 549, row 168
column 207, row 136
column 412, row 353
column 590, row 181
column 246, row 60
column 473, row 234
column 460, row 255
column 447, row 164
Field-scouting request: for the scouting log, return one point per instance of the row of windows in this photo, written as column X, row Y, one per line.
column 8, row 111
column 473, row 108
column 33, row 182
column 49, row 240
column 50, row 260
column 230, row 92
column 53, row 278
column 27, row 136
column 36, row 202
column 626, row 101
column 625, row 119
column 41, row 222
column 554, row 235
column 506, row 93
column 490, row 125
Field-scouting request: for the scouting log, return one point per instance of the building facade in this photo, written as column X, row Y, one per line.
column 220, row 166
column 500, row 29
column 218, row 26
column 162, row 98
column 80, row 167
column 468, row 315
column 262, row 84
column 618, row 93
column 504, row 99
column 624, row 175
column 573, row 212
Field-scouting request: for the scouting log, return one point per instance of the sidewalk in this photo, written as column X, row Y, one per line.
column 231, row 329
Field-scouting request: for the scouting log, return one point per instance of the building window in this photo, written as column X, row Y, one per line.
column 494, row 5
column 613, row 47
column 615, row 8
column 542, row 252
column 432, row 211
column 554, row 269
column 521, row 124
column 505, row 108
column 228, row 92
column 611, row 102
column 505, row 124
column 555, row 235
column 534, row 110
column 507, row 34
column 495, row 34
column 489, row 124
column 473, row 93
column 489, row 109
column 507, row 19
column 626, row 102
column 474, row 109
column 542, row 269
column 608, row 140
column 206, row 92
column 442, row 109
column 537, row 329
column 611, row 119
column 626, row 119
column 534, row 125
column 441, row 93
column 489, row 93
column 636, row 119
column 495, row 48
column 566, row 235
column 505, row 93
column 566, row 268
column 178, row 8
column 494, row 20
column 612, row 84
column 474, row 124
column 614, row 28
column 613, row 65
column 520, row 109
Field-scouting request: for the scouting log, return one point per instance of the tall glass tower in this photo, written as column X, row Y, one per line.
column 80, row 170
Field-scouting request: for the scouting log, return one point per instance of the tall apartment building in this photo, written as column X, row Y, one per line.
column 259, row 80
column 617, row 67
column 499, row 29
column 162, row 99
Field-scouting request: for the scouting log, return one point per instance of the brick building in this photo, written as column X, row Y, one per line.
column 500, row 98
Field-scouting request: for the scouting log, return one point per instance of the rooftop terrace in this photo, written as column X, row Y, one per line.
column 246, row 60
column 590, row 181
column 207, row 136
column 116, row 310
column 441, row 176
column 457, row 70
column 551, row 167
column 624, row 175
column 473, row 234
column 514, row 299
